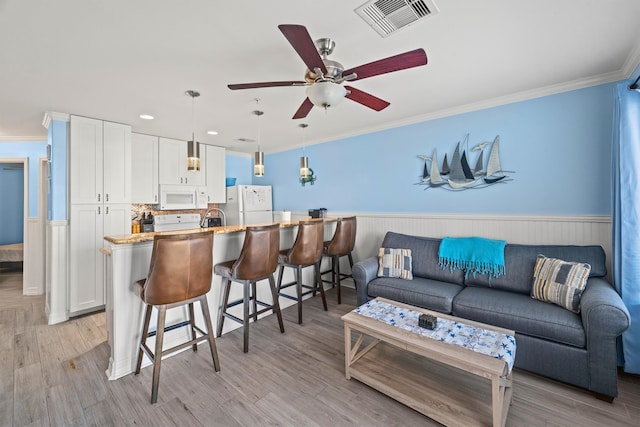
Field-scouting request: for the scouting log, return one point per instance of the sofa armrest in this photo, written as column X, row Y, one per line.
column 602, row 309
column 363, row 272
column 604, row 317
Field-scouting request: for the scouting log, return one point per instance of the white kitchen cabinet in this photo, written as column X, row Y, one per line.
column 172, row 164
column 144, row 169
column 116, row 163
column 100, row 197
column 85, row 160
column 99, row 161
column 216, row 173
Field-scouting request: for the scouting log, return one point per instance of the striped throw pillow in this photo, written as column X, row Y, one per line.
column 395, row 263
column 560, row 282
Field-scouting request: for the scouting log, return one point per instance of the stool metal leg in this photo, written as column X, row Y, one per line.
column 207, row 320
column 254, row 292
column 245, row 304
column 336, row 272
column 223, row 307
column 157, row 356
column 299, row 291
column 192, row 324
column 276, row 304
column 143, row 336
column 320, row 284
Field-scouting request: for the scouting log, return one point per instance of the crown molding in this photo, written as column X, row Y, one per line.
column 52, row 115
column 38, row 138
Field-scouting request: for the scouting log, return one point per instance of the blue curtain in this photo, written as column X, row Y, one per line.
column 626, row 217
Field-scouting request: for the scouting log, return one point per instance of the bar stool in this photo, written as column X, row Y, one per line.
column 180, row 273
column 258, row 260
column 342, row 244
column 305, row 252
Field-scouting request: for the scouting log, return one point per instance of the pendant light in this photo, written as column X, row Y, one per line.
column 306, row 173
column 258, row 156
column 193, row 146
column 304, row 160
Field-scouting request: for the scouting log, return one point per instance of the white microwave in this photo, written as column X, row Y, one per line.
column 174, row 197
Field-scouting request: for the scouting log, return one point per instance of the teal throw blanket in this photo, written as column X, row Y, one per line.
column 473, row 254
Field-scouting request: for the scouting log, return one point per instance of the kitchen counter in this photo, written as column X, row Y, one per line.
column 127, row 261
column 147, row 237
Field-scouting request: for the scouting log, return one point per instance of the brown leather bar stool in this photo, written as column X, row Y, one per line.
column 258, row 260
column 305, row 252
column 342, row 244
column 180, row 273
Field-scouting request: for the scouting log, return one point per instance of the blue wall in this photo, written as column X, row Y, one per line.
column 33, row 151
column 559, row 147
column 58, row 138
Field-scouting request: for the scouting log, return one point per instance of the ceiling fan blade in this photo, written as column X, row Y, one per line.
column 304, row 109
column 414, row 58
column 366, row 99
column 265, row 84
column 301, row 41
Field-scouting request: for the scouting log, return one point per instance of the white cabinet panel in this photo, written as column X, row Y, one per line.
column 86, row 283
column 216, row 173
column 172, row 163
column 144, row 169
column 85, row 160
column 117, row 163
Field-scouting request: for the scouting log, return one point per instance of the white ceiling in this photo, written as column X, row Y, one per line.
column 117, row 59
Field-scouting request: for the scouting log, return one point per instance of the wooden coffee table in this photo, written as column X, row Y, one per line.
column 448, row 383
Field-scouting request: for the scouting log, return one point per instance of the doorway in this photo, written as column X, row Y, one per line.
column 14, row 173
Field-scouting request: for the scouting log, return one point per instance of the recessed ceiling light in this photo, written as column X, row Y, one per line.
column 212, row 132
column 146, row 116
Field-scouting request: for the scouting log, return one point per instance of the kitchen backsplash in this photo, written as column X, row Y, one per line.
column 138, row 209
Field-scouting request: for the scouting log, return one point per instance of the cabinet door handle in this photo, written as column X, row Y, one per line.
column 155, row 198
column 106, row 210
column 186, row 180
column 98, row 210
column 106, row 197
column 98, row 196
column 181, row 181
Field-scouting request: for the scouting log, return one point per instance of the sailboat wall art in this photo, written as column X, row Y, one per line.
column 458, row 175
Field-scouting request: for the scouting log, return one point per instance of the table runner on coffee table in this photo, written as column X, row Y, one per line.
column 491, row 343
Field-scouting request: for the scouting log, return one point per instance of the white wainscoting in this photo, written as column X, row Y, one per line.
column 56, row 276
column 551, row 230
column 34, row 251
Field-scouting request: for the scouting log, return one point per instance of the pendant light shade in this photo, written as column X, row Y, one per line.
column 193, row 146
column 304, row 167
column 193, row 154
column 258, row 163
column 258, row 156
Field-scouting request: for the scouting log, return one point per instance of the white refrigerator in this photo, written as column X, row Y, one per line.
column 249, row 205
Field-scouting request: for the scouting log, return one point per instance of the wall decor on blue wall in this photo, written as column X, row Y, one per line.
column 458, row 175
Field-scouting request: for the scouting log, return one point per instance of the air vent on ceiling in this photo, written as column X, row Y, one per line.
column 389, row 16
column 244, row 140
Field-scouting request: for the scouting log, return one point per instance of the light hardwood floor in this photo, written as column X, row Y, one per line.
column 54, row 375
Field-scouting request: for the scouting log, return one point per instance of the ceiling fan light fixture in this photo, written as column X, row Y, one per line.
column 326, row 94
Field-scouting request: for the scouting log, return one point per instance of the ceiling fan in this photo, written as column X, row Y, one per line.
column 324, row 77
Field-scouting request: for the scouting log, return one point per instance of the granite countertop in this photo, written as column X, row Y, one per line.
column 148, row 237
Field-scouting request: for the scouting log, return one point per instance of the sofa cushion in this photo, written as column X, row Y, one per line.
column 426, row 293
column 394, row 263
column 521, row 314
column 559, row 282
column 424, row 252
column 520, row 259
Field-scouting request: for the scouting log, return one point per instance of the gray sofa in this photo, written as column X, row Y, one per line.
column 578, row 349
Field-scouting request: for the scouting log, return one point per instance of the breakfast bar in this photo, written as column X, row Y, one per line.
column 127, row 261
